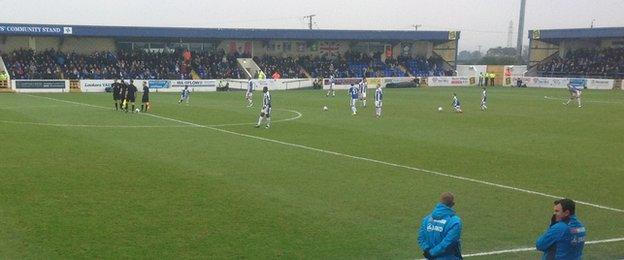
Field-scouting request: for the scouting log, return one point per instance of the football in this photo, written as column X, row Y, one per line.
column 325, row 108
column 439, row 108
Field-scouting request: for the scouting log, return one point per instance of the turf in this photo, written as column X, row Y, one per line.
column 88, row 182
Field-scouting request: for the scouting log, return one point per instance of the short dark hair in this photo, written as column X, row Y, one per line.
column 567, row 204
column 447, row 199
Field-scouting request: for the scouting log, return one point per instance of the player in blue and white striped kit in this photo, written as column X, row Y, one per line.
column 354, row 93
column 332, row 84
column 483, row 100
column 185, row 95
column 363, row 86
column 249, row 93
column 456, row 104
column 575, row 93
column 266, row 108
column 378, row 100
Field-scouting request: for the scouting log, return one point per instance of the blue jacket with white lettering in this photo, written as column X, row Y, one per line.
column 563, row 240
column 440, row 233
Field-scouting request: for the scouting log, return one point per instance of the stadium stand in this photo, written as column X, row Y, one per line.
column 605, row 63
column 287, row 67
column 361, row 64
column 421, row 67
column 325, row 67
column 216, row 65
column 34, row 51
column 52, row 64
column 582, row 52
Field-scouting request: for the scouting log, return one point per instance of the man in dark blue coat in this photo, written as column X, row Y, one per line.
column 565, row 238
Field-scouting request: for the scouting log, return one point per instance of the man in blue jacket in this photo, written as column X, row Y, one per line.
column 565, row 238
column 440, row 232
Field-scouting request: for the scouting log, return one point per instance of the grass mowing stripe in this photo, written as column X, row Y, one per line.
column 358, row 157
column 92, row 126
column 584, row 100
column 527, row 249
column 298, row 114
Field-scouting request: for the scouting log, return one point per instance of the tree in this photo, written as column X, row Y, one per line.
column 476, row 55
column 491, row 60
column 467, row 57
column 502, row 56
column 502, row 52
column 464, row 56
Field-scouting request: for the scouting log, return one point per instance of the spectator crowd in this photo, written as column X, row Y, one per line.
column 54, row 64
column 605, row 63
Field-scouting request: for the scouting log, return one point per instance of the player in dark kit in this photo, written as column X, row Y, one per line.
column 123, row 89
column 116, row 89
column 131, row 97
column 145, row 99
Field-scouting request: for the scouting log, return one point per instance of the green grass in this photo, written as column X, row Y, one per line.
column 177, row 191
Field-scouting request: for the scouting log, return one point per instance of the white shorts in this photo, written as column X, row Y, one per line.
column 266, row 111
column 249, row 95
column 378, row 104
column 353, row 101
column 363, row 95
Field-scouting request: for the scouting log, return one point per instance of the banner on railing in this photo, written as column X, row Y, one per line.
column 40, row 85
column 600, row 83
column 105, row 85
column 89, row 85
column 345, row 83
column 542, row 82
column 158, row 84
column 272, row 84
column 450, row 81
column 194, row 84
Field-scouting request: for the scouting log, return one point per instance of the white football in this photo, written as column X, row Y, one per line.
column 325, row 108
column 137, row 110
column 439, row 108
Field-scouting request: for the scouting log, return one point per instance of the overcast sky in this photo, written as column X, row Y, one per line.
column 482, row 22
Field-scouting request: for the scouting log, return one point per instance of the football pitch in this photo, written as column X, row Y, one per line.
column 80, row 180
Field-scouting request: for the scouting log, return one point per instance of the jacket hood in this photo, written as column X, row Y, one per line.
column 442, row 211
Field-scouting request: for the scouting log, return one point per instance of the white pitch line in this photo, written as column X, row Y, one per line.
column 585, row 100
column 65, row 101
column 528, row 249
column 91, row 126
column 298, row 114
column 30, row 107
column 368, row 159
